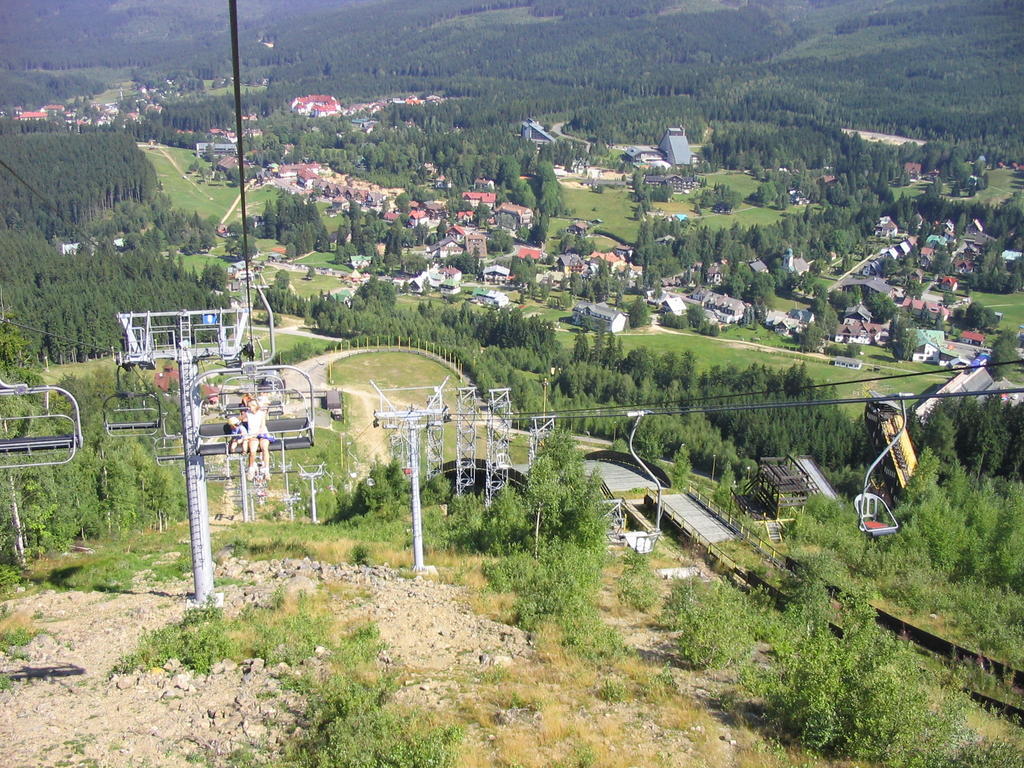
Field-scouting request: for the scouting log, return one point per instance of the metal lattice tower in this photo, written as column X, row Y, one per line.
column 435, row 436
column 188, row 337
column 465, row 440
column 409, row 423
column 499, row 438
column 312, row 475
column 540, row 428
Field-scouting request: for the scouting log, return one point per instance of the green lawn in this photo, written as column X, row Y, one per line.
column 209, row 200
column 1002, row 183
column 321, row 260
column 387, row 369
column 303, row 287
column 1010, row 304
column 743, row 183
column 712, row 351
column 188, row 194
column 285, row 342
column 613, row 206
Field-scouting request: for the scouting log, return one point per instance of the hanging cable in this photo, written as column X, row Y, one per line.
column 583, row 412
column 619, row 412
column 235, row 71
column 77, row 343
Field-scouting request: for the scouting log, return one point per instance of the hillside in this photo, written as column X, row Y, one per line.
column 615, row 71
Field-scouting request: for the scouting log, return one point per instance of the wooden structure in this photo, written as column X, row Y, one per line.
column 782, row 486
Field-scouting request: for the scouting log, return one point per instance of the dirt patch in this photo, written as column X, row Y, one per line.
column 65, row 708
column 883, row 138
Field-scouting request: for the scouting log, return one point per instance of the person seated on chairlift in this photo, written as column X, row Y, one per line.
column 238, row 433
column 259, row 437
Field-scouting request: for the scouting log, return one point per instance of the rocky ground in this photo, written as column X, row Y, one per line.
column 520, row 703
column 65, row 707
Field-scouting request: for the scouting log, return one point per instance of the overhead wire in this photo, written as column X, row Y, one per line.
column 78, row 343
column 236, row 76
column 584, row 412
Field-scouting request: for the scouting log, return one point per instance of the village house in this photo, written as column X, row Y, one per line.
column 529, row 253
column 316, row 106
column 715, row 274
column 671, row 304
column 215, row 148
column 913, row 170
column 678, row 184
column 646, row 155
column 511, row 216
column 491, row 298
column 359, row 262
column 497, row 273
column 616, row 264
column 854, row 331
column 487, row 198
column 571, row 263
column 872, row 284
column 445, row 248
column 598, row 317
column 924, row 309
column 476, row 244
column 795, row 264
column 796, row 197
column 534, row 131
column 927, row 346
column 724, row 309
column 886, row 227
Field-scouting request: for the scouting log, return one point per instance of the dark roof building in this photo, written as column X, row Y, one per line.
column 534, row 131
column 675, row 147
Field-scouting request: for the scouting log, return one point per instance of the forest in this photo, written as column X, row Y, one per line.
column 84, row 235
column 616, row 72
column 66, row 181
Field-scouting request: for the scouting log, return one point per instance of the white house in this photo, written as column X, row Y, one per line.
column 599, row 317
column 493, row 299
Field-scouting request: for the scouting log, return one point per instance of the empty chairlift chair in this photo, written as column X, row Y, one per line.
column 40, row 426
column 873, row 513
column 131, row 414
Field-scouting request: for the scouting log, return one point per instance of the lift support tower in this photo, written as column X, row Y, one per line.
column 188, row 337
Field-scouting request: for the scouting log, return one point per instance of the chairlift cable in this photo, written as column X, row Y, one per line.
column 764, row 392
column 235, row 70
column 77, row 343
column 618, row 412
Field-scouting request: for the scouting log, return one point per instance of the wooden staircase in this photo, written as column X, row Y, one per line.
column 774, row 529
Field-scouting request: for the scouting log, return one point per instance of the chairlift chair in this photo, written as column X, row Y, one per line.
column 293, row 427
column 39, row 439
column 132, row 414
column 873, row 513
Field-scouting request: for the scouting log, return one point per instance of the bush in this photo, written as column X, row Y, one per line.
column 360, row 554
column 198, row 641
column 559, row 586
column 613, row 691
column 351, row 726
column 637, row 586
column 714, row 623
column 10, row 576
column 284, row 636
column 860, row 696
